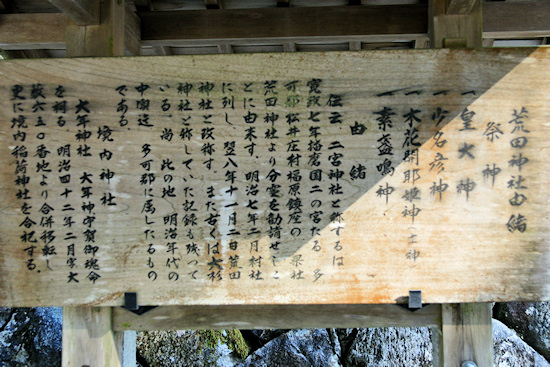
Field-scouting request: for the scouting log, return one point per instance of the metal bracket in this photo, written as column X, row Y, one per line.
column 130, row 301
column 131, row 304
column 415, row 300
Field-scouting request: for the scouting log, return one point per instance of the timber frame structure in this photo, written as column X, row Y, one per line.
column 97, row 336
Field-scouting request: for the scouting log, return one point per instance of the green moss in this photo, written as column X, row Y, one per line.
column 233, row 339
column 126, row 325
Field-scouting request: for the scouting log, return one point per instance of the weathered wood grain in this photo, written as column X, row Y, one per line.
column 278, row 25
column 516, row 20
column 467, row 244
column 32, row 31
column 88, row 339
column 105, row 39
column 275, row 317
column 459, row 6
column 501, row 20
column 132, row 32
column 450, row 27
column 81, row 12
column 467, row 334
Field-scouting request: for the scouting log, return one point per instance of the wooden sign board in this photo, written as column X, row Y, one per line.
column 318, row 178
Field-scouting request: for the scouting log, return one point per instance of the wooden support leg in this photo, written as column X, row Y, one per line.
column 437, row 350
column 452, row 30
column 105, row 39
column 467, row 334
column 88, row 339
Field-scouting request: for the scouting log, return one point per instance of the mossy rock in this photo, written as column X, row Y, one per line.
column 232, row 338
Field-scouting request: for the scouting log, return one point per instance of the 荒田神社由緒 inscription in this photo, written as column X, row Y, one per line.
column 194, row 182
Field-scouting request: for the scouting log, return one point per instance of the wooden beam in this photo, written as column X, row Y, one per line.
column 88, row 338
column 273, row 25
column 467, row 334
column 32, row 31
column 162, row 50
column 501, row 20
column 459, row 6
column 516, row 20
column 106, row 39
column 455, row 30
column 275, row 317
column 26, row 54
column 81, row 12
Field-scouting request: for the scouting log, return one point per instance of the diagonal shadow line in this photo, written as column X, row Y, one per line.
column 427, row 97
column 435, row 102
column 468, row 85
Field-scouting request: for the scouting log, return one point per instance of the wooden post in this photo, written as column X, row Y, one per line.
column 455, row 30
column 437, row 350
column 467, row 334
column 105, row 39
column 88, row 339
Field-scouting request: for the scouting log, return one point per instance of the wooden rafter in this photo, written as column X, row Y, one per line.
column 270, row 24
column 32, row 31
column 516, row 20
column 294, row 25
column 81, row 12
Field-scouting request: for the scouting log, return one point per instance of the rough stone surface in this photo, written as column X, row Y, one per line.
column 381, row 347
column 266, row 335
column 182, row 348
column 296, row 348
column 30, row 337
column 511, row 351
column 531, row 320
column 346, row 337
